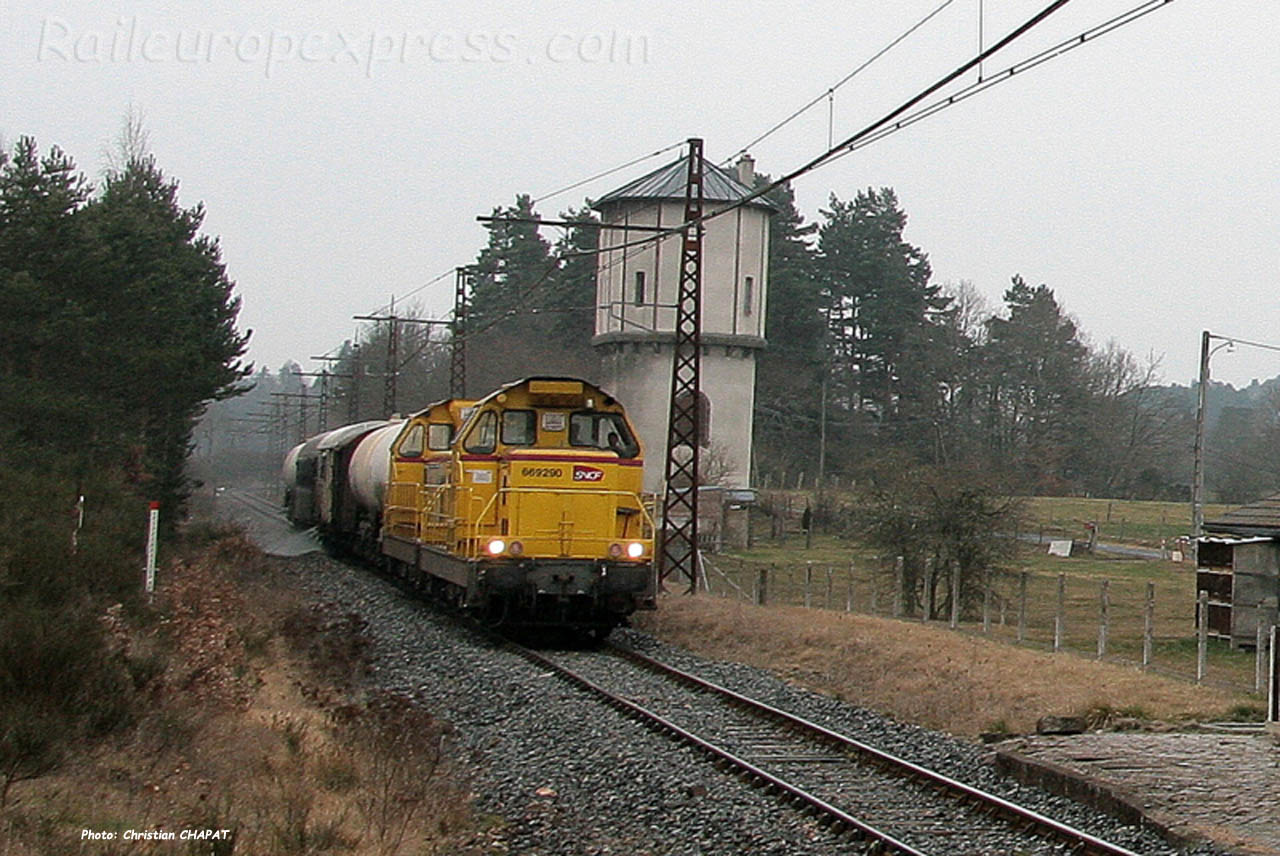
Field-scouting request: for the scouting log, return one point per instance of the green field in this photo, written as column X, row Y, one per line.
column 1129, row 521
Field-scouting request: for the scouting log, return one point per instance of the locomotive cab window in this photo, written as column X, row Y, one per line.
column 411, row 445
column 439, row 436
column 482, row 439
column 605, row 431
column 519, row 427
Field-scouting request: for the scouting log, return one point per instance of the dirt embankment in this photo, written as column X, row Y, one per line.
column 257, row 736
column 927, row 675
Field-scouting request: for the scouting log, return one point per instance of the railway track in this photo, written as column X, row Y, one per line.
column 889, row 805
column 257, row 504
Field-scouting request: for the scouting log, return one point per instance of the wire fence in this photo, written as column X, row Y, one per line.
column 1127, row 620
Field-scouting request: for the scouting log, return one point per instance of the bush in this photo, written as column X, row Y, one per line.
column 62, row 677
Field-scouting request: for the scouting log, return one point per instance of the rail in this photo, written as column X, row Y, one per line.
column 1080, row 841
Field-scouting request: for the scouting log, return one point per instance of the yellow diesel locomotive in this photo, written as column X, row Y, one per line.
column 525, row 507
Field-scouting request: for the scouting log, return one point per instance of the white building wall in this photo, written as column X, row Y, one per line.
column 639, row 375
column 734, row 247
column 636, row 340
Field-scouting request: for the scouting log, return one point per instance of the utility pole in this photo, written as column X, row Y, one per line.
column 1197, row 481
column 353, row 398
column 282, row 400
column 458, row 338
column 679, row 550
column 324, row 375
column 392, row 373
column 393, row 365
column 353, row 402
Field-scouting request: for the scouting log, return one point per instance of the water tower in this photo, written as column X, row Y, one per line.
column 636, row 294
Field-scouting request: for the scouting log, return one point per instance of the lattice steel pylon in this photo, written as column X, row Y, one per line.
column 392, row 373
column 679, row 551
column 458, row 338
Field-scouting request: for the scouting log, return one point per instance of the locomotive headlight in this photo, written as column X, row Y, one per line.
column 516, row 548
column 497, row 546
column 615, row 551
column 635, row 549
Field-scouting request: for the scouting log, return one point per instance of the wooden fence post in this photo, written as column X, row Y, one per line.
column 808, row 584
column 955, row 594
column 762, row 587
column 1148, row 626
column 1022, row 606
column 1104, row 617
column 927, row 612
column 899, row 586
column 986, row 601
column 848, row 597
column 1273, row 688
column 1260, row 653
column 1202, row 636
column 829, row 586
column 1060, row 616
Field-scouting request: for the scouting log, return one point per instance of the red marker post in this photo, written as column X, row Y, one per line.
column 152, row 525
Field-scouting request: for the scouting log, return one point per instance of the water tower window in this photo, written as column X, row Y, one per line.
column 748, row 294
column 639, row 290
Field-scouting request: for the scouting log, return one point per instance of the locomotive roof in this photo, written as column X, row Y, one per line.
column 554, row 378
column 668, row 182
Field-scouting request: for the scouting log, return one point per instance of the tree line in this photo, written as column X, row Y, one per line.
column 870, row 359
column 868, row 355
column 117, row 319
column 117, row 325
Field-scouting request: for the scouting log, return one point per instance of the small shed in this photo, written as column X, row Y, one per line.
column 1238, row 564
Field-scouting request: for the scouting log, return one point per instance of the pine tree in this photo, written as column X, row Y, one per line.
column 882, row 309
column 1038, row 388
column 790, row 369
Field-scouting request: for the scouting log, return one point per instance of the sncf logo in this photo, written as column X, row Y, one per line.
column 583, row 473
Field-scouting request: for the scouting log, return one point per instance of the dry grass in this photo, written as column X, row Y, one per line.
column 252, row 732
column 925, row 674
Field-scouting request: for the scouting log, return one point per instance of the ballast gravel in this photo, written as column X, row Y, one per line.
column 557, row 772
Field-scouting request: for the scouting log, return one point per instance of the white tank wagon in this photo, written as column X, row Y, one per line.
column 370, row 469
column 308, row 473
column 300, row 482
column 290, row 471
column 338, row 509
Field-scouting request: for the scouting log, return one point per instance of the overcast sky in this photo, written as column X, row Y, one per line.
column 343, row 150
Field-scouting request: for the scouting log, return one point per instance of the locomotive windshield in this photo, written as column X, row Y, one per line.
column 606, row 431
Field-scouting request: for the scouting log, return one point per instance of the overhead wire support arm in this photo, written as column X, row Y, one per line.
column 391, row 376
column 569, row 224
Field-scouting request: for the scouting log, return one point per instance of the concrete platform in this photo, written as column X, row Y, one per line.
column 1192, row 787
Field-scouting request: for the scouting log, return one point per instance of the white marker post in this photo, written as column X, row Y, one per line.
column 75, row 533
column 152, row 524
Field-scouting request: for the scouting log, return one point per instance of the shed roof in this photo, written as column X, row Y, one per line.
column 1256, row 518
column 668, row 182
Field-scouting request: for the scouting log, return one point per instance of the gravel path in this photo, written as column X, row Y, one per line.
column 561, row 774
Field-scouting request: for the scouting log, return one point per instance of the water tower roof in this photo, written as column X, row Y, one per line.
column 668, row 182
